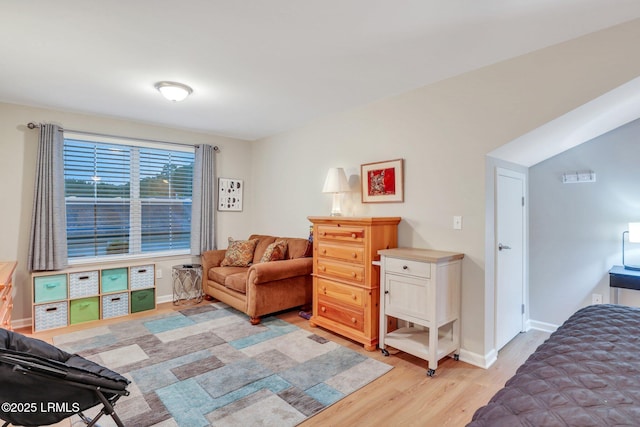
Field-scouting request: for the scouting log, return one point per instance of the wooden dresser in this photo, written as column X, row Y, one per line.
column 6, row 290
column 346, row 285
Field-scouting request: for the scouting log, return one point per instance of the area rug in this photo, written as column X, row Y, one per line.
column 207, row 365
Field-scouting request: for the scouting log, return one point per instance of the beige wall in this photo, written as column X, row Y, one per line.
column 18, row 147
column 443, row 131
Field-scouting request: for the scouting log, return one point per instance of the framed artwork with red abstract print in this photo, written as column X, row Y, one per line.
column 382, row 182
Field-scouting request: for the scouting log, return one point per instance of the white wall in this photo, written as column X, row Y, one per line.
column 576, row 229
column 18, row 146
column 443, row 131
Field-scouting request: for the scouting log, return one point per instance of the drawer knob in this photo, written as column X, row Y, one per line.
column 323, row 233
column 353, row 274
column 353, row 235
column 354, row 255
column 324, row 251
column 323, row 309
column 353, row 320
column 405, row 267
column 354, row 296
column 323, row 268
column 324, row 289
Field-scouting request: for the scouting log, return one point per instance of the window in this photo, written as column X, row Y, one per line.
column 126, row 197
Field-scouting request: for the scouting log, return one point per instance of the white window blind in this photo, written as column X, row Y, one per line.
column 126, row 199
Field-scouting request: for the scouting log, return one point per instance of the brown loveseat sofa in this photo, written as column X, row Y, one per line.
column 261, row 287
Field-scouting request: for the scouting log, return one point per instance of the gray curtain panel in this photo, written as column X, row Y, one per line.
column 48, row 248
column 203, row 200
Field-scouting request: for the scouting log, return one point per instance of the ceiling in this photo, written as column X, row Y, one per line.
column 259, row 68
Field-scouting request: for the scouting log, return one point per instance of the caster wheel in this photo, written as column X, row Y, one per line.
column 456, row 357
column 431, row 372
column 385, row 352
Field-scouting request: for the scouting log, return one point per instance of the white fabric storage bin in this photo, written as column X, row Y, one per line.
column 83, row 284
column 49, row 316
column 115, row 305
column 141, row 277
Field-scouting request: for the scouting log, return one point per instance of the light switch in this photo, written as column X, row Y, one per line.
column 457, row 222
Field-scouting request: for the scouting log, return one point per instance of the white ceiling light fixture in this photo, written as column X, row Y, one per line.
column 173, row 91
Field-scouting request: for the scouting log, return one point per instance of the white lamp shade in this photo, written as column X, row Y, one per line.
column 336, row 181
column 634, row 232
column 173, row 91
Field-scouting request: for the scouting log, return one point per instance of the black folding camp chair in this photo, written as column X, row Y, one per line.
column 41, row 384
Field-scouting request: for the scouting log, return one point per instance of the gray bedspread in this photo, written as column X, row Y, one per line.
column 586, row 374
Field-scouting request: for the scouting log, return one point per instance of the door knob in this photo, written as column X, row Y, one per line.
column 501, row 246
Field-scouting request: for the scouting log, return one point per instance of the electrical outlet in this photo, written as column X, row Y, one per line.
column 596, row 298
column 158, row 273
column 457, row 222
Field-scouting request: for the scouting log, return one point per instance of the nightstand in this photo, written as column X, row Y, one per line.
column 620, row 277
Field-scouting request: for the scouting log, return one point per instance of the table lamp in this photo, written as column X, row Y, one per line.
column 634, row 237
column 337, row 184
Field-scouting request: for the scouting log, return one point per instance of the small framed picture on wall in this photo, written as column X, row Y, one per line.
column 382, row 182
column 230, row 194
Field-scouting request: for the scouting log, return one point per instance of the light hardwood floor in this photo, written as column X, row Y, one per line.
column 405, row 396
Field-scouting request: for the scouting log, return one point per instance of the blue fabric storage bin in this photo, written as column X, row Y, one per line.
column 49, row 288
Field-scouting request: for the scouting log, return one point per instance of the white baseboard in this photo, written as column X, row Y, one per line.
column 541, row 326
column 477, row 359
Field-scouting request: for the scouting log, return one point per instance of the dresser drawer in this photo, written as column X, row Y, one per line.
column 83, row 284
column 84, row 310
column 351, row 295
column 342, row 233
column 344, row 252
column 141, row 277
column 341, row 313
column 408, row 267
column 50, row 288
column 114, row 280
column 339, row 270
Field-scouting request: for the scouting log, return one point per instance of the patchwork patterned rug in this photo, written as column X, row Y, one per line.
column 208, row 365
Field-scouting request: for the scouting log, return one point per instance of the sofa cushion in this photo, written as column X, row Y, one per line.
column 220, row 274
column 237, row 282
column 275, row 251
column 297, row 248
column 239, row 253
column 263, row 243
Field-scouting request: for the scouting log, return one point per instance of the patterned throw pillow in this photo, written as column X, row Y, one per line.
column 275, row 251
column 239, row 253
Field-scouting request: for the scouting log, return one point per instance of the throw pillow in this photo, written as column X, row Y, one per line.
column 275, row 251
column 239, row 253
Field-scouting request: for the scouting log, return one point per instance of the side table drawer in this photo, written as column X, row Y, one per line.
column 343, row 252
column 350, row 295
column 409, row 267
column 83, row 284
column 115, row 305
column 340, row 313
column 141, row 277
column 114, row 280
column 84, row 310
column 50, row 288
column 49, row 316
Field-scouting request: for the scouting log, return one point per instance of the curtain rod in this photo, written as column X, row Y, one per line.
column 32, row 125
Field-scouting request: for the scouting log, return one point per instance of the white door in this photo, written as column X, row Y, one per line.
column 509, row 255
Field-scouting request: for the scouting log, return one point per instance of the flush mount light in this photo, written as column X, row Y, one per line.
column 173, row 91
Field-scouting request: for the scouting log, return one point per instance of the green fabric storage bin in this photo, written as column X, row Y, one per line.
column 114, row 280
column 143, row 300
column 84, row 310
column 49, row 288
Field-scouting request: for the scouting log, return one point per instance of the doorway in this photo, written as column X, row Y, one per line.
column 509, row 255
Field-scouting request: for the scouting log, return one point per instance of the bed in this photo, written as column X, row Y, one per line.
column 586, row 374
